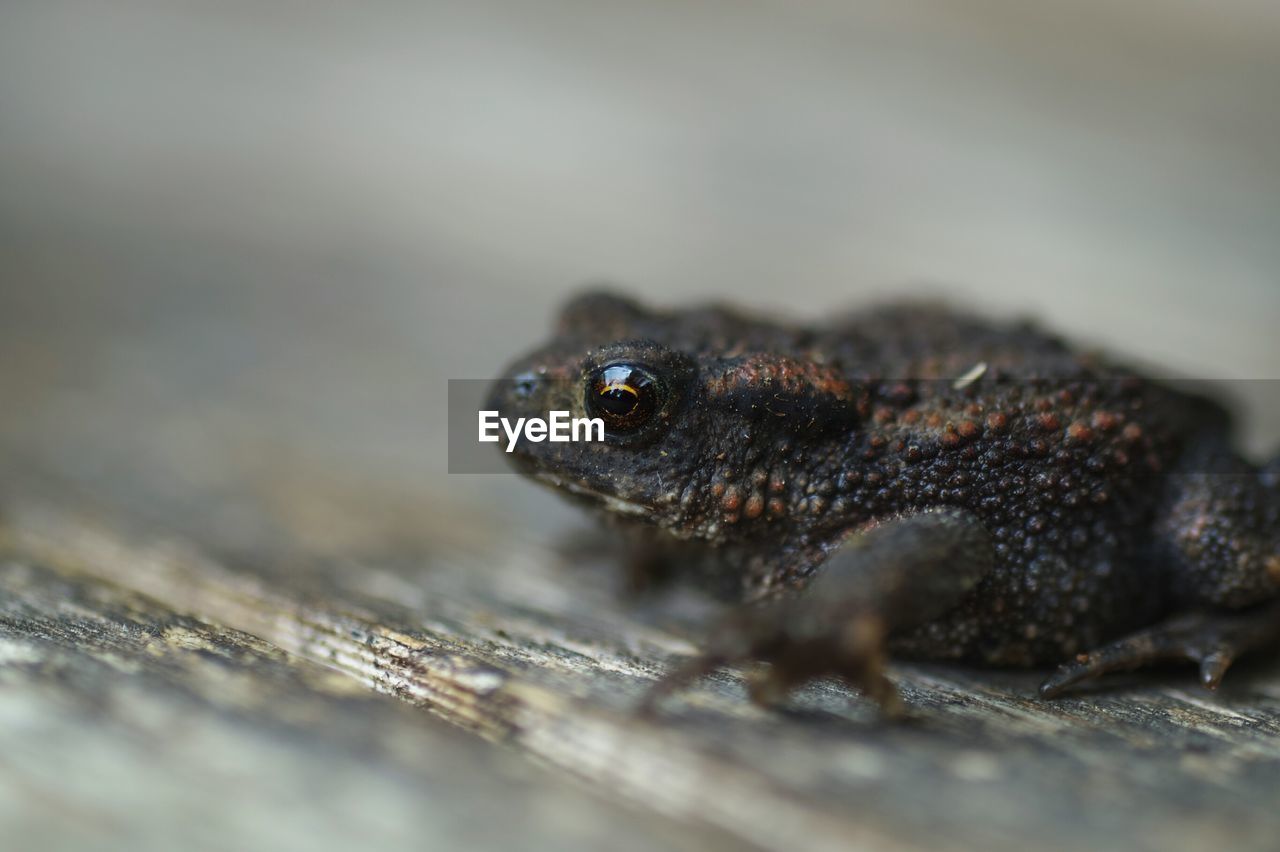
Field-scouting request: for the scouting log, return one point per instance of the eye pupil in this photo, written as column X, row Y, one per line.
column 625, row 396
column 619, row 399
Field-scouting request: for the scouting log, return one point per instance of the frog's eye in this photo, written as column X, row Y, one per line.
column 624, row 396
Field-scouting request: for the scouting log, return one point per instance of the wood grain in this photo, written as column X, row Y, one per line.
column 545, row 658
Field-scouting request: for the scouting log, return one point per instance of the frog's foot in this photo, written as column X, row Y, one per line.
column 856, row 656
column 1211, row 640
column 891, row 577
column 766, row 634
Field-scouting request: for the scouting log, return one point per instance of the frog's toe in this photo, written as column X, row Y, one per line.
column 855, row 653
column 772, row 685
column 746, row 633
column 1211, row 640
column 677, row 679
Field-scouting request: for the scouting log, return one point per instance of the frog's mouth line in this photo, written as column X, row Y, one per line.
column 578, row 489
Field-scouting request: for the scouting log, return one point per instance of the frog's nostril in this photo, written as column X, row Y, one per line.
column 523, row 385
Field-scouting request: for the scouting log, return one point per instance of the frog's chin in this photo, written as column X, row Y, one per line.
column 579, row 490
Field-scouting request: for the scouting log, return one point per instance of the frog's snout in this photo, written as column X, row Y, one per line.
column 521, row 395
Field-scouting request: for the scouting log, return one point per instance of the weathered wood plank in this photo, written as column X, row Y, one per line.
column 125, row 724
column 547, row 659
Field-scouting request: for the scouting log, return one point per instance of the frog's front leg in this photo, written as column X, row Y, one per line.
column 882, row 580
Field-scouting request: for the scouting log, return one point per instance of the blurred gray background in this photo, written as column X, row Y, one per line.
column 246, row 238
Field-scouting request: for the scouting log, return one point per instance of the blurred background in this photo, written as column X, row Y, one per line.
column 240, row 240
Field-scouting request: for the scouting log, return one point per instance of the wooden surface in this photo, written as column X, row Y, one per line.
column 150, row 685
column 126, row 725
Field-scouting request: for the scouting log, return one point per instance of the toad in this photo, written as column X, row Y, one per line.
column 914, row 482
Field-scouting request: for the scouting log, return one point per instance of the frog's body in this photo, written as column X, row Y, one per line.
column 913, row 479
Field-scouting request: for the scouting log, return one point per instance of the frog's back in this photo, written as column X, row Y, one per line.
column 928, row 341
column 942, row 351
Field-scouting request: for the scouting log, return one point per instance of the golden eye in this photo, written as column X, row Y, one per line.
column 624, row 396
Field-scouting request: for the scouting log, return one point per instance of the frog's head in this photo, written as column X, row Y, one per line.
column 700, row 423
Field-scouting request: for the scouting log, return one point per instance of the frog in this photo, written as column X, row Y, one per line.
column 907, row 481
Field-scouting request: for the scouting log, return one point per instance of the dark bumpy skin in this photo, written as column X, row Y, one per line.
column 912, row 481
